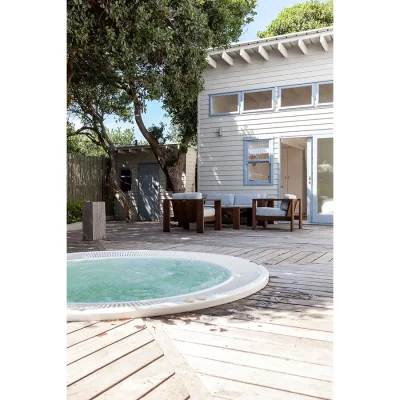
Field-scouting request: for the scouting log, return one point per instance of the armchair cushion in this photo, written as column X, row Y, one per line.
column 270, row 211
column 285, row 204
column 209, row 211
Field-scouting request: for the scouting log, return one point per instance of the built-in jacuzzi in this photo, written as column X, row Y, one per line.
column 141, row 283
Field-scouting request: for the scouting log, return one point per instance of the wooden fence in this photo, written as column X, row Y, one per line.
column 86, row 179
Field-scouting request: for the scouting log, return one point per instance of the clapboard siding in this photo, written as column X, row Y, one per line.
column 191, row 159
column 220, row 158
column 132, row 162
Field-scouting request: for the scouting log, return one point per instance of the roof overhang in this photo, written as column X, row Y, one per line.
column 260, row 48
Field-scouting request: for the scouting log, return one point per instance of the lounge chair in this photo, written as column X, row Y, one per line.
column 189, row 208
column 286, row 211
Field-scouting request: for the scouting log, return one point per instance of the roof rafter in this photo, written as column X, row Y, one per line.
column 245, row 56
column 282, row 49
column 302, row 46
column 263, row 53
column 227, row 58
column 211, row 62
column 323, row 42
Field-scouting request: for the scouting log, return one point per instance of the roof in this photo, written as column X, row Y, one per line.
column 261, row 47
column 144, row 149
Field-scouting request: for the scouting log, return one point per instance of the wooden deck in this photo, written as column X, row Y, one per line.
column 275, row 344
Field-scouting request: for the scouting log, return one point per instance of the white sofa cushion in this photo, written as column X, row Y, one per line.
column 270, row 211
column 226, row 199
column 209, row 211
column 246, row 199
column 187, row 196
column 285, row 204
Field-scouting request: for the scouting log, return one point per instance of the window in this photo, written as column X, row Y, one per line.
column 259, row 100
column 325, row 93
column 126, row 179
column 296, row 96
column 225, row 104
column 258, row 157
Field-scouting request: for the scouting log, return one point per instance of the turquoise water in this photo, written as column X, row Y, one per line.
column 130, row 279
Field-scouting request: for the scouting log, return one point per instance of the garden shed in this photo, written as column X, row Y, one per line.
column 143, row 179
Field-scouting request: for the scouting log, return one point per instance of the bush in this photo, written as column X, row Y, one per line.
column 74, row 211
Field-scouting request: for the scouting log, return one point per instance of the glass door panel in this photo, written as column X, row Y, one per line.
column 322, row 180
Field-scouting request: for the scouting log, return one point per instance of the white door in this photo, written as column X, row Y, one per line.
column 322, row 180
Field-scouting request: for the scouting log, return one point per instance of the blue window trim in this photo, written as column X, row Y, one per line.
column 246, row 163
column 272, row 89
column 312, row 104
column 211, row 96
column 317, row 103
column 276, row 99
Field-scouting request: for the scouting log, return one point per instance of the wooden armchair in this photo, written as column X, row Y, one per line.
column 189, row 208
column 286, row 211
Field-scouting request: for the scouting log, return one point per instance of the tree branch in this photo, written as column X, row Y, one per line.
column 138, row 118
column 80, row 131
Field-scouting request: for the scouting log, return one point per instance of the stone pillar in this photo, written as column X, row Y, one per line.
column 94, row 220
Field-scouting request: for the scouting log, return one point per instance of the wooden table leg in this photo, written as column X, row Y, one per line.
column 236, row 218
column 249, row 213
column 270, row 204
column 166, row 216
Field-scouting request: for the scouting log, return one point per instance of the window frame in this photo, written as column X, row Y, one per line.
column 312, row 104
column 317, row 103
column 120, row 180
column 238, row 109
column 246, row 162
column 242, row 110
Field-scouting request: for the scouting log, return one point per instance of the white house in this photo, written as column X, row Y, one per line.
column 265, row 120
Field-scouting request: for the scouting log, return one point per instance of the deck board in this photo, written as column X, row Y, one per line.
column 275, row 344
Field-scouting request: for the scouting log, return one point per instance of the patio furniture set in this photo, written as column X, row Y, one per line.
column 199, row 208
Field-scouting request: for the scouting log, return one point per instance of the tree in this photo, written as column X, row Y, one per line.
column 152, row 50
column 81, row 144
column 92, row 105
column 301, row 17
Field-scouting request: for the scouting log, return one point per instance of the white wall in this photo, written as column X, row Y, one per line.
column 220, row 165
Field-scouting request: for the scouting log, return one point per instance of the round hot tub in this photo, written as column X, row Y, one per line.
column 140, row 283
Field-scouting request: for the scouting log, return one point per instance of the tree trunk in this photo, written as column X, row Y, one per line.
column 118, row 193
column 70, row 72
column 171, row 161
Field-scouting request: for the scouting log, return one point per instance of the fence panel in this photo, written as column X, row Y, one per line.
column 87, row 179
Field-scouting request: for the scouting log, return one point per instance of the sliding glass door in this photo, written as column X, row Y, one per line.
column 322, row 180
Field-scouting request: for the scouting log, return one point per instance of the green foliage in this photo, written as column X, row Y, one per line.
column 74, row 211
column 148, row 50
column 81, row 144
column 301, row 17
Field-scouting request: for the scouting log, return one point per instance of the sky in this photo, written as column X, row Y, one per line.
column 266, row 10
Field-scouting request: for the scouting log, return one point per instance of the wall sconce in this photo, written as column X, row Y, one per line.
column 220, row 132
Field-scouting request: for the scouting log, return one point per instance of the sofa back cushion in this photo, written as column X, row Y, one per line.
column 285, row 203
column 245, row 199
column 226, row 199
column 187, row 196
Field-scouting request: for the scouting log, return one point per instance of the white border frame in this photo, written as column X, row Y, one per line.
column 246, row 278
